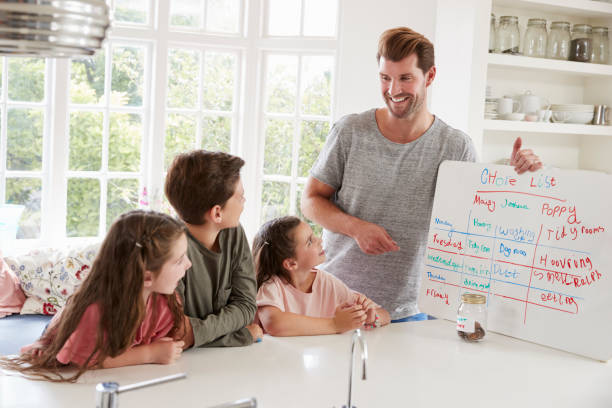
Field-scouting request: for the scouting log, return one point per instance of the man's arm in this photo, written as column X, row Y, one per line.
column 316, row 205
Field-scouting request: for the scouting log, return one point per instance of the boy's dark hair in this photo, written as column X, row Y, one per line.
column 199, row 180
column 397, row 43
column 273, row 243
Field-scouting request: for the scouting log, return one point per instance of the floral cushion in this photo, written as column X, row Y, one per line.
column 48, row 276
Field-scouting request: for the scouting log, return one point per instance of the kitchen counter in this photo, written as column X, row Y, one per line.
column 416, row 364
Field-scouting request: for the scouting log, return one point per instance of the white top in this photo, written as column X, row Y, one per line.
column 413, row 364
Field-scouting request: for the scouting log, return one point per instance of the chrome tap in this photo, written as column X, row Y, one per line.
column 357, row 337
column 243, row 403
column 107, row 392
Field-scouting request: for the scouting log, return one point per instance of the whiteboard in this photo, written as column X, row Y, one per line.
column 537, row 245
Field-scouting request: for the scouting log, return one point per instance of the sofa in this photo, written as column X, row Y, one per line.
column 34, row 287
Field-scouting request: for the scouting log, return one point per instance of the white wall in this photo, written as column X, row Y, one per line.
column 361, row 23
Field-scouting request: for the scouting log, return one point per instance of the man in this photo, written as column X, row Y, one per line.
column 373, row 185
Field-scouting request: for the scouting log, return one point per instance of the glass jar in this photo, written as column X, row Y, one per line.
column 559, row 40
column 492, row 34
column 508, row 35
column 581, row 47
column 601, row 45
column 535, row 38
column 472, row 317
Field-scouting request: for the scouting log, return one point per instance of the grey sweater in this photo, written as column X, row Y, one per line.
column 219, row 289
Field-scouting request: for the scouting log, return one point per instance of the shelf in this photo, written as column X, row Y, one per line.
column 573, row 68
column 582, row 8
column 541, row 127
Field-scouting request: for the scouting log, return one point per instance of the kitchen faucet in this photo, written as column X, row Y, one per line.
column 107, row 393
column 357, row 337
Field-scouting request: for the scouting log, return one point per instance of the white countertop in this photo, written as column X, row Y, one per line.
column 416, row 364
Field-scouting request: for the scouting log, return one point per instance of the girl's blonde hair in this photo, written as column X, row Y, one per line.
column 138, row 241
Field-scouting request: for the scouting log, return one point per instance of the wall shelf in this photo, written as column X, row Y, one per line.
column 581, row 8
column 572, row 68
column 541, row 127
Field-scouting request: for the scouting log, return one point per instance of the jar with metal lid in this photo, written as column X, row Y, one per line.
column 581, row 47
column 559, row 40
column 472, row 317
column 492, row 34
column 508, row 35
column 535, row 38
column 601, row 45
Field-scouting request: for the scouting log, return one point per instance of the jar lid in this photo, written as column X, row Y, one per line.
column 473, row 298
column 536, row 21
column 560, row 24
column 582, row 27
column 600, row 29
column 508, row 19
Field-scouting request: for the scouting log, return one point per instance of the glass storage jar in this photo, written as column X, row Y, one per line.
column 535, row 38
column 492, row 34
column 601, row 45
column 472, row 317
column 508, row 35
column 581, row 47
column 559, row 40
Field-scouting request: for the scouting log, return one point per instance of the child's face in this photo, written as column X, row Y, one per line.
column 234, row 206
column 173, row 269
column 308, row 247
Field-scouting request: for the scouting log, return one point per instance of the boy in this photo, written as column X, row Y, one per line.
column 219, row 289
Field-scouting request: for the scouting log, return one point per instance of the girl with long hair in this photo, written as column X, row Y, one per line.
column 294, row 298
column 126, row 311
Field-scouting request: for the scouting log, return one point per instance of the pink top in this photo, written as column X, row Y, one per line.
column 328, row 292
column 82, row 341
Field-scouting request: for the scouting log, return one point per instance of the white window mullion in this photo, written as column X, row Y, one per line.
column 55, row 197
column 154, row 159
column 296, row 139
column 3, row 130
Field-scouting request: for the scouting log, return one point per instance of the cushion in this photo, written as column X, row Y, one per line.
column 11, row 295
column 49, row 276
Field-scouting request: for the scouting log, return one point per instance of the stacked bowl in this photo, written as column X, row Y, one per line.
column 52, row 28
column 572, row 113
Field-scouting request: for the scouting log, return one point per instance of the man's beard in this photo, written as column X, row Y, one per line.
column 413, row 104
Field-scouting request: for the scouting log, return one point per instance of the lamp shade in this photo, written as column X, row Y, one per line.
column 52, row 28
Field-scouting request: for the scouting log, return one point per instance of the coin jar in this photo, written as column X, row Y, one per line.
column 472, row 317
column 535, row 38
column 492, row 35
column 508, row 35
column 559, row 40
column 601, row 45
column 581, row 46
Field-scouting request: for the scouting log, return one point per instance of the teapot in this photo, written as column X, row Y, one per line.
column 531, row 103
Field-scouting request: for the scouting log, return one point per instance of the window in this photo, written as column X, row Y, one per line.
column 203, row 87
column 297, row 115
column 24, row 118
column 106, row 134
column 83, row 140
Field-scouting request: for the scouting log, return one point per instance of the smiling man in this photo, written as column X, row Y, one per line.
column 373, row 185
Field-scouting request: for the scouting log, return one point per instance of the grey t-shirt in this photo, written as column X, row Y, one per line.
column 392, row 185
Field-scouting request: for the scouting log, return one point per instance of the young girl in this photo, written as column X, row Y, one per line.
column 126, row 311
column 294, row 298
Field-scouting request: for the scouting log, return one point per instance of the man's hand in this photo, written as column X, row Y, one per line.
column 525, row 159
column 255, row 331
column 373, row 239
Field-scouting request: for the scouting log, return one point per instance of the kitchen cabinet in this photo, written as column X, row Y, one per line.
column 561, row 82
